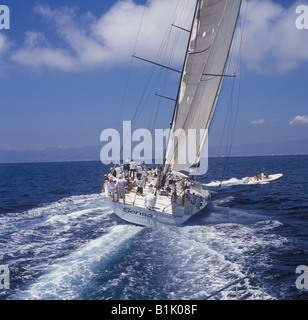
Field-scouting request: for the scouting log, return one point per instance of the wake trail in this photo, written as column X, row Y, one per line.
column 66, row 276
column 245, row 181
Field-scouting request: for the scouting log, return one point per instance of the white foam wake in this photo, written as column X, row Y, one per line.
column 235, row 182
column 67, row 276
column 226, row 183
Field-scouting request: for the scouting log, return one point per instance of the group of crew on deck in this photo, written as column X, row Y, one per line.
column 122, row 178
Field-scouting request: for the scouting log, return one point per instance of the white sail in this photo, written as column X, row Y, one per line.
column 210, row 41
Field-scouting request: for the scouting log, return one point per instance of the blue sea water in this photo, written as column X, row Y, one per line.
column 61, row 240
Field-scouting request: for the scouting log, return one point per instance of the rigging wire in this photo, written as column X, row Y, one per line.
column 232, row 129
column 166, row 55
column 128, row 75
column 130, row 64
column 144, row 99
column 161, row 55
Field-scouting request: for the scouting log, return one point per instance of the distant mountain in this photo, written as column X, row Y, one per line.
column 268, row 148
column 92, row 153
column 51, row 155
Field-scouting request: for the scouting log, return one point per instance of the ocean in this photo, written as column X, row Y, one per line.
column 59, row 239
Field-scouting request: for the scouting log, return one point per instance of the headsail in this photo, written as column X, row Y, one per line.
column 205, row 63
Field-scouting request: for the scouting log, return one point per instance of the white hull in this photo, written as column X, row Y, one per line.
column 264, row 179
column 148, row 218
column 164, row 213
column 244, row 181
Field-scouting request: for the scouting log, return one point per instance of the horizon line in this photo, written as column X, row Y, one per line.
column 98, row 160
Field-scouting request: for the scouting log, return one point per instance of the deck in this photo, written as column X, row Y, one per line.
column 163, row 203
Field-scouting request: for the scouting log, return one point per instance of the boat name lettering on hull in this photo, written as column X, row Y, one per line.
column 148, row 215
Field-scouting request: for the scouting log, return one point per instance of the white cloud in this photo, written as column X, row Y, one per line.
column 299, row 120
column 119, row 27
column 90, row 42
column 37, row 52
column 257, row 122
column 271, row 41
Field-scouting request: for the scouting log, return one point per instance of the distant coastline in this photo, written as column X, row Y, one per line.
column 91, row 153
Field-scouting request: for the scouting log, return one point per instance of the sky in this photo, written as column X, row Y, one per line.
column 67, row 73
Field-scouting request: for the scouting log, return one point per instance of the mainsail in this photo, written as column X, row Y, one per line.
column 203, row 73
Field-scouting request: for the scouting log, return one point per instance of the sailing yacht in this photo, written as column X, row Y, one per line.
column 172, row 195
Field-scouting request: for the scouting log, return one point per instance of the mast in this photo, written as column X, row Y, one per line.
column 166, row 167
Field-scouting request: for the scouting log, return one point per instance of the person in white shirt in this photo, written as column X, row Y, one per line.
column 198, row 202
column 139, row 171
column 126, row 166
column 188, row 206
column 194, row 198
column 141, row 186
column 121, row 188
column 133, row 167
column 174, row 191
column 111, row 188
